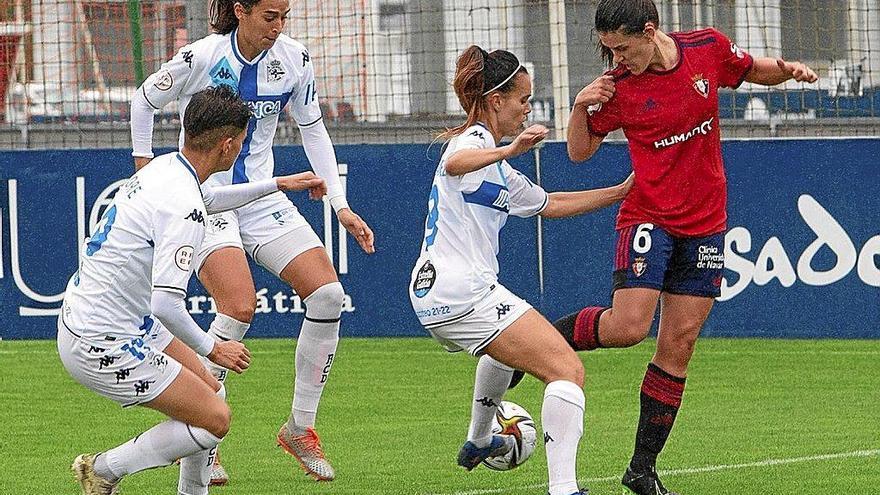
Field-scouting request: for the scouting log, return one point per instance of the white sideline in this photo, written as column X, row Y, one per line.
column 693, row 470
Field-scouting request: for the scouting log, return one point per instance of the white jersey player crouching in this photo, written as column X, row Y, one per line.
column 454, row 288
column 124, row 331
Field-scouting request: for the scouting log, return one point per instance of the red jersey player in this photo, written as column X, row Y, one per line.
column 663, row 93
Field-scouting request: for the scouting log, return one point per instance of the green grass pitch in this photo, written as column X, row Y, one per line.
column 759, row 417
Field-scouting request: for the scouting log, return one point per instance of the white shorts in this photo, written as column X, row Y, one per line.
column 256, row 224
column 128, row 372
column 475, row 329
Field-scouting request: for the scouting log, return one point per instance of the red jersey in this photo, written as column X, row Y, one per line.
column 670, row 119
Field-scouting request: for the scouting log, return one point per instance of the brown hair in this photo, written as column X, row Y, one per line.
column 627, row 16
column 476, row 73
column 214, row 114
column 223, row 20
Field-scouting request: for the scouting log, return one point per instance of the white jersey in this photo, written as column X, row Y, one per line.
column 280, row 74
column 146, row 240
column 458, row 264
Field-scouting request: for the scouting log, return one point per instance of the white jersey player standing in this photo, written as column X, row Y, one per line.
column 124, row 331
column 249, row 53
column 454, row 288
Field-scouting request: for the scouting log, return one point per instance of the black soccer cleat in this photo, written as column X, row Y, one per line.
column 516, row 378
column 644, row 483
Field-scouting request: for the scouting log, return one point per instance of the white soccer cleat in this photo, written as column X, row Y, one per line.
column 307, row 450
column 219, row 477
column 92, row 484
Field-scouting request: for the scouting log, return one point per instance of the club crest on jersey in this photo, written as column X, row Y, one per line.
column 424, row 279
column 275, row 71
column 736, row 50
column 164, row 81
column 640, row 266
column 701, row 84
column 222, row 73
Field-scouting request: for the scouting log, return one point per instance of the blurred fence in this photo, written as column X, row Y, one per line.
column 69, row 67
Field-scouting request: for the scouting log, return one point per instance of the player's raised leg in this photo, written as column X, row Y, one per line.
column 532, row 345
column 312, row 276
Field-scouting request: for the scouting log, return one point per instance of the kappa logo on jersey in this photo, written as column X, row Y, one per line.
column 478, row 134
column 736, row 50
column 264, row 108
column 142, row 386
column 222, row 73
column 701, row 84
column 275, row 71
column 164, row 81
column 187, row 58
column 123, row 374
column 424, row 279
column 196, row 216
column 639, row 266
column 305, row 58
column 183, row 258
column 503, row 309
column 703, row 129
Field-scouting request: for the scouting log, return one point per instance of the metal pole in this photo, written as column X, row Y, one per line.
column 559, row 61
column 137, row 40
column 537, row 151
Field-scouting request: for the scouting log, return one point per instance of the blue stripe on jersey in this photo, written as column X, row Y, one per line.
column 490, row 195
column 189, row 168
column 501, row 173
column 247, row 89
column 238, row 55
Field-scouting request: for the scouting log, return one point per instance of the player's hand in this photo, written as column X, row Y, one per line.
column 358, row 228
column 599, row 91
column 302, row 181
column 625, row 186
column 798, row 71
column 232, row 355
column 140, row 161
column 527, row 139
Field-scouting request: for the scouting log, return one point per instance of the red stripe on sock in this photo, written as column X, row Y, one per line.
column 663, row 388
column 585, row 328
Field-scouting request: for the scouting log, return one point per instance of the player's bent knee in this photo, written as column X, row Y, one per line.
column 325, row 302
column 220, row 421
column 567, row 367
column 242, row 309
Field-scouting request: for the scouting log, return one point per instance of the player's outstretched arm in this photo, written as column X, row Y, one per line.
column 223, row 198
column 170, row 309
column 581, row 143
column 470, row 160
column 773, row 71
column 567, row 204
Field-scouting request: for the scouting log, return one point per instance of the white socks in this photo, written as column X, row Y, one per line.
column 562, row 415
column 195, row 470
column 492, row 379
column 161, row 445
column 315, row 349
column 224, row 328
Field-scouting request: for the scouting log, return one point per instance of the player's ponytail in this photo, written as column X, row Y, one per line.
column 478, row 74
column 627, row 18
column 223, row 20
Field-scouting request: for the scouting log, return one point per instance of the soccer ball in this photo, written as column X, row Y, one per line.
column 511, row 419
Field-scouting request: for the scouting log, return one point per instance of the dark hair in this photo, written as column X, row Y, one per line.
column 476, row 73
column 626, row 16
column 214, row 114
column 223, row 20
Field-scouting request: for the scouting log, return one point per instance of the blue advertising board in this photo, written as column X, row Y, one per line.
column 802, row 252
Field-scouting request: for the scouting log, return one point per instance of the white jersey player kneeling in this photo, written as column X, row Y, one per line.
column 124, row 331
column 454, row 288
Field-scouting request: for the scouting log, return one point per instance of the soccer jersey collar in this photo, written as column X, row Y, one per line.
column 233, row 37
column 677, row 64
column 189, row 169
